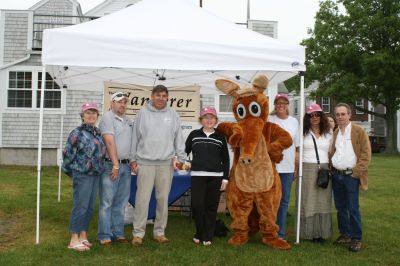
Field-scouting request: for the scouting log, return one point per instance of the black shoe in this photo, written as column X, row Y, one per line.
column 355, row 246
column 342, row 240
column 121, row 240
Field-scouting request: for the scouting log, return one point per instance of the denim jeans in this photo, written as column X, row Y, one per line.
column 84, row 201
column 345, row 193
column 114, row 196
column 286, row 181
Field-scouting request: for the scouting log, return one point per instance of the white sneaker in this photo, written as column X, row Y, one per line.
column 206, row 243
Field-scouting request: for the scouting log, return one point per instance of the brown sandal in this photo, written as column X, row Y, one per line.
column 105, row 242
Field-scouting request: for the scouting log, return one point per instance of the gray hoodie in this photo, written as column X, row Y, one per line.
column 157, row 136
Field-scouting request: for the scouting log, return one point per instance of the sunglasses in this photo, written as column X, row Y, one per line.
column 315, row 115
column 120, row 95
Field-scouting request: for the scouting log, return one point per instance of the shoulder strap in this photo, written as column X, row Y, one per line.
column 316, row 150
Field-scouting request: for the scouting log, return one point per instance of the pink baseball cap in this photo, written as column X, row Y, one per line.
column 88, row 106
column 281, row 96
column 208, row 110
column 313, row 108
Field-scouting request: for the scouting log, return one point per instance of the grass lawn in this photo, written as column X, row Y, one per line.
column 380, row 209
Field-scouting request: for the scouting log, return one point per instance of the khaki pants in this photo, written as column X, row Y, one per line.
column 149, row 176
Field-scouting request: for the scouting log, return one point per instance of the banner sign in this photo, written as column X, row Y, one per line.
column 184, row 100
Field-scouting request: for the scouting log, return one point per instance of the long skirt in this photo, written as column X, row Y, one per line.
column 316, row 205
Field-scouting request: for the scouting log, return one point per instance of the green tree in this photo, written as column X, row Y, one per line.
column 354, row 52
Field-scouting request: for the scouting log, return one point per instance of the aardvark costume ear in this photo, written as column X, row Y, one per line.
column 227, row 86
column 260, row 83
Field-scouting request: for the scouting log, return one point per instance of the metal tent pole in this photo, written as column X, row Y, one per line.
column 39, row 159
column 300, row 157
column 60, row 159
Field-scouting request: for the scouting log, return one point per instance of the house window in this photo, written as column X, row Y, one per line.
column 360, row 103
column 326, row 104
column 225, row 103
column 24, row 90
column 52, row 93
column 19, row 89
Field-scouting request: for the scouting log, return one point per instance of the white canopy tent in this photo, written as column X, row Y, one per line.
column 170, row 42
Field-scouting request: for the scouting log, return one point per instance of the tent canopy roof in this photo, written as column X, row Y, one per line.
column 165, row 35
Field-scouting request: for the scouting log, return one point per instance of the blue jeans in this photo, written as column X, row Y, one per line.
column 345, row 193
column 114, row 196
column 84, row 201
column 286, row 181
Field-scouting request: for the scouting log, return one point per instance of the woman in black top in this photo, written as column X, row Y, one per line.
column 210, row 172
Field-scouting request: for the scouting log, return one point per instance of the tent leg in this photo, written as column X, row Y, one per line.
column 60, row 158
column 299, row 180
column 59, row 184
column 39, row 159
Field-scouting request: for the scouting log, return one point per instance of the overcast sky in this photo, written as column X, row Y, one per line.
column 294, row 16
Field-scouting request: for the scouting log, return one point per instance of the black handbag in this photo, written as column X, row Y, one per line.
column 323, row 174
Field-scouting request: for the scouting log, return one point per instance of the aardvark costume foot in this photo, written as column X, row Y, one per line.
column 239, row 238
column 254, row 190
column 276, row 243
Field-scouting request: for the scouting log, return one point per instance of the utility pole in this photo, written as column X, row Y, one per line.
column 201, row 3
column 248, row 10
column 248, row 13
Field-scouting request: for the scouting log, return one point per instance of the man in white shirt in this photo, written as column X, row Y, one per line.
column 350, row 155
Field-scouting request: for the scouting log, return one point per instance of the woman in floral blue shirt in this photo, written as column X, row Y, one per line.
column 83, row 159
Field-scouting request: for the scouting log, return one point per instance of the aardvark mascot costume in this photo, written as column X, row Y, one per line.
column 254, row 190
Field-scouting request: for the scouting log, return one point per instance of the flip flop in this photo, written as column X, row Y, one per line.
column 86, row 243
column 79, row 247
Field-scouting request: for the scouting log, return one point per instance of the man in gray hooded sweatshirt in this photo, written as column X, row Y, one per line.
column 156, row 142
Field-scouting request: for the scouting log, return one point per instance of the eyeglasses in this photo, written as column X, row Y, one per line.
column 315, row 115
